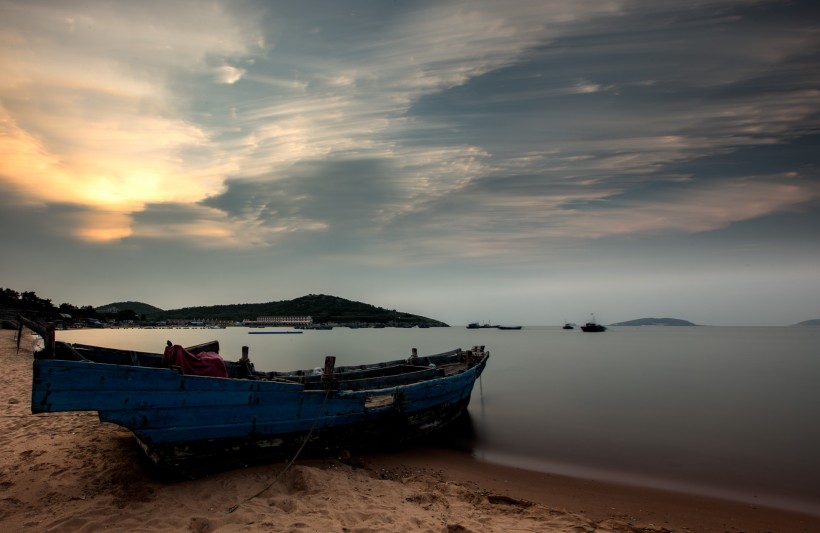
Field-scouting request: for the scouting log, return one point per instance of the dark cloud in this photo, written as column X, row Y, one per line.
column 167, row 214
column 637, row 75
column 344, row 195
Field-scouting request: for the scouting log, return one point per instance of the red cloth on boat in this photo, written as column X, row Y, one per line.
column 200, row 364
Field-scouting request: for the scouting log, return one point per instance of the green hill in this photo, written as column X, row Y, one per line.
column 137, row 307
column 655, row 322
column 322, row 308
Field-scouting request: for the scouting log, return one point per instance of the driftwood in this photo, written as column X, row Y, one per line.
column 39, row 328
column 46, row 331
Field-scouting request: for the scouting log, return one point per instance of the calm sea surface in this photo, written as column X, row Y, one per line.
column 727, row 412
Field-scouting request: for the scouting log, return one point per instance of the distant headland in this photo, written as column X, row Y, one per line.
column 655, row 322
column 321, row 308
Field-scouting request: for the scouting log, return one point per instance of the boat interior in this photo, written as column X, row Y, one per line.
column 356, row 377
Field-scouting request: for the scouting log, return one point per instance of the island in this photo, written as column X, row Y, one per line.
column 314, row 310
column 655, row 322
column 813, row 322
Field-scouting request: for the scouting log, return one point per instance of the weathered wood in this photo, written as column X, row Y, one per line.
column 77, row 354
column 19, row 334
column 330, row 364
column 183, row 418
column 245, row 367
column 37, row 327
column 46, row 331
column 212, row 346
column 50, row 339
column 327, row 373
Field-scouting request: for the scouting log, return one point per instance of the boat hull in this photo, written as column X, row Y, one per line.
column 198, row 457
column 189, row 422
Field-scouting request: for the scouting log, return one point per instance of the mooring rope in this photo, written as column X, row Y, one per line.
column 290, row 463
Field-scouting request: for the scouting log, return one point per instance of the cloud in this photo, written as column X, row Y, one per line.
column 692, row 209
column 511, row 123
column 191, row 226
column 469, row 114
column 343, row 198
column 229, row 75
column 88, row 113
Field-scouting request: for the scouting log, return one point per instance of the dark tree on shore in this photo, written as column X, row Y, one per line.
column 25, row 301
column 28, row 302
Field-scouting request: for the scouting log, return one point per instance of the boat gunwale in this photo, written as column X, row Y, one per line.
column 349, row 378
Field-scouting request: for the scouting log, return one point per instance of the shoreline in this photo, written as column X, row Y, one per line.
column 70, row 472
column 602, row 500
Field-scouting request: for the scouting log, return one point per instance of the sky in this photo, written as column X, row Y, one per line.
column 520, row 162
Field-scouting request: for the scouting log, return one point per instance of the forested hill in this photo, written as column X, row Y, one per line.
column 322, row 308
column 655, row 322
column 137, row 307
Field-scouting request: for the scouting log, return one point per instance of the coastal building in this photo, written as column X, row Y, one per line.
column 279, row 321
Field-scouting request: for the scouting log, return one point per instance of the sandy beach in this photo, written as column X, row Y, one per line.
column 70, row 472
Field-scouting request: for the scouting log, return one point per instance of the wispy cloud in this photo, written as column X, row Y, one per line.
column 258, row 118
column 88, row 111
column 228, row 74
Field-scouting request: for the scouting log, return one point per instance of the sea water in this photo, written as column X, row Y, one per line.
column 725, row 412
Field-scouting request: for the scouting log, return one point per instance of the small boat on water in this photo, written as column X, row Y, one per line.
column 195, row 412
column 593, row 327
column 568, row 325
column 286, row 332
column 476, row 325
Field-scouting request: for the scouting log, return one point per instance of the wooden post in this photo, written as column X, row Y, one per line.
column 39, row 328
column 327, row 375
column 51, row 340
column 245, row 363
column 19, row 333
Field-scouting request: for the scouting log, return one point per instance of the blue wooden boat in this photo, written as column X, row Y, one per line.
column 195, row 422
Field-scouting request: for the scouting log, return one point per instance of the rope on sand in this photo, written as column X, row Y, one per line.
column 290, row 463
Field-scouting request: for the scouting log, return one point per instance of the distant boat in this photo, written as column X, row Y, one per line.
column 592, row 326
column 191, row 409
column 476, row 325
column 568, row 325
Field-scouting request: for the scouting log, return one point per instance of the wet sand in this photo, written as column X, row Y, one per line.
column 70, row 472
